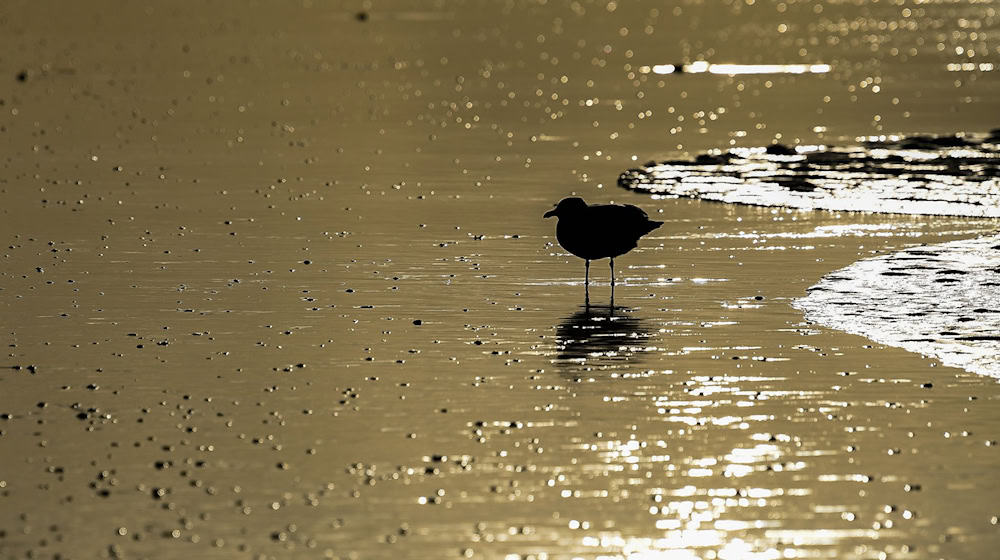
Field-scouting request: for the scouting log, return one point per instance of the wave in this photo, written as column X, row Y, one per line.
column 938, row 300
column 931, row 175
column 941, row 300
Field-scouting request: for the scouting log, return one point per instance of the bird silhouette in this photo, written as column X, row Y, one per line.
column 598, row 232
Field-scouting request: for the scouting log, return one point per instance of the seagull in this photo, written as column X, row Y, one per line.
column 599, row 231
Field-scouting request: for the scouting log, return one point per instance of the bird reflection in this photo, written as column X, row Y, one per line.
column 601, row 337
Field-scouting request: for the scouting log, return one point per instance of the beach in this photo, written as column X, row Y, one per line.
column 276, row 284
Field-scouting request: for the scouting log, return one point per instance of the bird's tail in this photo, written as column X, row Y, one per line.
column 651, row 225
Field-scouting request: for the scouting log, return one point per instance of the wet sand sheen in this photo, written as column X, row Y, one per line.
column 500, row 421
column 275, row 285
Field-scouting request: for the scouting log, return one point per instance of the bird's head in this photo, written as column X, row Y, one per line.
column 567, row 206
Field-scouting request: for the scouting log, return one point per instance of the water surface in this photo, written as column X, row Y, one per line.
column 276, row 284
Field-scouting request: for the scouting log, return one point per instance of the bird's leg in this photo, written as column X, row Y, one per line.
column 586, row 282
column 612, row 282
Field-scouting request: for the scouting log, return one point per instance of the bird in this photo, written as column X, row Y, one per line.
column 599, row 231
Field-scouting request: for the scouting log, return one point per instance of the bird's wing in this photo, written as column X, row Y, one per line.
column 636, row 212
column 622, row 218
column 616, row 213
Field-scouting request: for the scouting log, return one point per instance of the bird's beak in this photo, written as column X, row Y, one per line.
column 550, row 213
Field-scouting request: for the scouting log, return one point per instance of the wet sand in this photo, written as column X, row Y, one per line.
column 261, row 298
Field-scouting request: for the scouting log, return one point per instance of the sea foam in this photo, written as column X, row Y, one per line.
column 938, row 300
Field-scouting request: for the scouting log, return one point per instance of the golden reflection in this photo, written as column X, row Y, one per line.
column 970, row 67
column 693, row 515
column 703, row 66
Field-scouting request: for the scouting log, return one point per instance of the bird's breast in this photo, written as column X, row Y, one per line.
column 592, row 241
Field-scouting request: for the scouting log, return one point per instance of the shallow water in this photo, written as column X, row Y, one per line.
column 276, row 284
